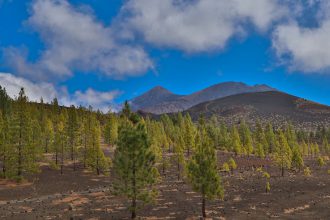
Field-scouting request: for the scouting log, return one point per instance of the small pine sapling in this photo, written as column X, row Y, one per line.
column 232, row 165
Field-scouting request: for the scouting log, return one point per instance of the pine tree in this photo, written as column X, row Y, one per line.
column 246, row 138
column 72, row 134
column 111, row 130
column 23, row 153
column 283, row 154
column 5, row 102
column 87, row 126
column 259, row 151
column 188, row 133
column 267, row 177
column 297, row 159
column 96, row 160
column 232, row 164
column 260, row 138
column 55, row 121
column 291, row 136
column 202, row 170
column 304, row 148
column 3, row 143
column 325, row 146
column 316, row 149
column 270, row 138
column 48, row 134
column 236, row 141
column 134, row 165
column 179, row 153
column 62, row 137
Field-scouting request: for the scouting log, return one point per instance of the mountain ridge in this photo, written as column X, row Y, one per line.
column 159, row 100
column 270, row 106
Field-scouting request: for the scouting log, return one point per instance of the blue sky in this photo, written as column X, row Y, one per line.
column 103, row 52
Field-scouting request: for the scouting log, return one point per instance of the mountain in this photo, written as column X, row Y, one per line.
column 274, row 106
column 153, row 97
column 159, row 100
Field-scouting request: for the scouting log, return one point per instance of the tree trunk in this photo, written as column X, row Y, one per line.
column 56, row 156
column 72, row 150
column 282, row 171
column 203, row 207
column 62, row 158
column 163, row 167
column 74, row 163
column 134, row 195
column 46, row 146
column 178, row 169
column 97, row 165
column 85, row 150
column 133, row 209
column 4, row 166
column 19, row 170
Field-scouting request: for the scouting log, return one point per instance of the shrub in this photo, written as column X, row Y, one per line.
column 320, row 161
column 266, row 175
column 232, row 164
column 259, row 169
column 267, row 187
column 225, row 167
column 307, row 171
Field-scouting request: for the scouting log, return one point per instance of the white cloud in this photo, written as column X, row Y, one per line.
column 197, row 25
column 98, row 100
column 75, row 41
column 34, row 91
column 304, row 49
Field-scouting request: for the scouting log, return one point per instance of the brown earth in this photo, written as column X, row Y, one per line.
column 84, row 195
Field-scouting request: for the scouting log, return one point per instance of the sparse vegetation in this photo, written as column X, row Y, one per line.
column 132, row 151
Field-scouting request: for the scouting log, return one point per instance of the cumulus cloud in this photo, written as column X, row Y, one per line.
column 304, row 49
column 103, row 101
column 198, row 25
column 34, row 91
column 98, row 100
column 75, row 41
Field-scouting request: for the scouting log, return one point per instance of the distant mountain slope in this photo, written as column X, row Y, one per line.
column 152, row 98
column 159, row 100
column 273, row 106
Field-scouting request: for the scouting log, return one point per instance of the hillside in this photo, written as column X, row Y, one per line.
column 272, row 106
column 159, row 100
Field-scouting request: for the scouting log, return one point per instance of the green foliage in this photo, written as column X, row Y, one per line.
column 202, row 169
column 188, row 130
column 283, row 153
column 111, row 129
column 21, row 152
column 297, row 159
column 260, row 138
column 236, row 141
column 232, row 164
column 134, row 165
column 5, row 102
column 246, row 138
column 320, row 161
column 270, row 138
column 267, row 187
column 266, row 175
column 259, row 151
column 96, row 160
column 225, row 167
column 307, row 171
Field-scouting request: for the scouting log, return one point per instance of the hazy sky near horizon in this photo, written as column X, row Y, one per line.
column 102, row 52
